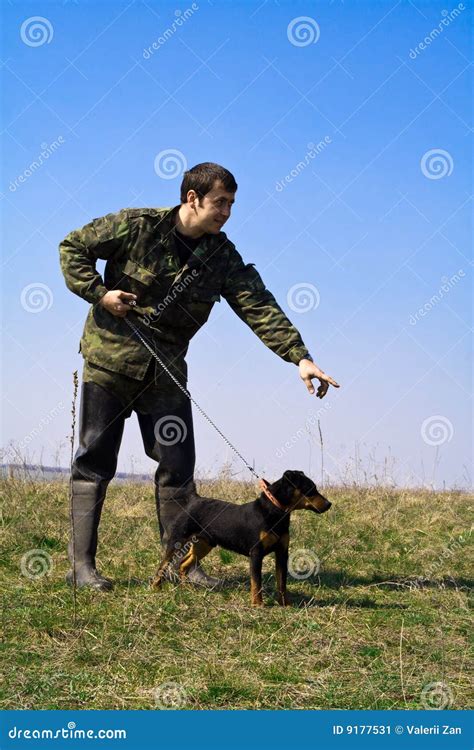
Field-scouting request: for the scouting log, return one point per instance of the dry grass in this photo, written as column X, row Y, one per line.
column 386, row 616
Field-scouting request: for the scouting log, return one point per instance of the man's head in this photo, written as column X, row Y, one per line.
column 207, row 193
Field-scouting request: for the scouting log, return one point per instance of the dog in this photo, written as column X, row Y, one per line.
column 254, row 529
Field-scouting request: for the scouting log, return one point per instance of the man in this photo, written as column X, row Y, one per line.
column 171, row 265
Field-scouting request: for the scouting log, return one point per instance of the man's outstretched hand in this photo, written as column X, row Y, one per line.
column 308, row 371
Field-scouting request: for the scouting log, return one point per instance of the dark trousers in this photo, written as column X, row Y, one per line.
column 166, row 425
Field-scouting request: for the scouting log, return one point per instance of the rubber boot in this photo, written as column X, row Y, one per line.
column 168, row 509
column 171, row 502
column 87, row 501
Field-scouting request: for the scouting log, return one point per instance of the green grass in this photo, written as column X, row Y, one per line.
column 386, row 616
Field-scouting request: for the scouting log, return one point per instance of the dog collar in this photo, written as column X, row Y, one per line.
column 264, row 486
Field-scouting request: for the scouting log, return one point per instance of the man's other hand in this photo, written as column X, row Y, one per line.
column 117, row 302
column 308, row 371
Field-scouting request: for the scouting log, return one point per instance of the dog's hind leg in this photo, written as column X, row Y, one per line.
column 167, row 570
column 157, row 580
column 198, row 549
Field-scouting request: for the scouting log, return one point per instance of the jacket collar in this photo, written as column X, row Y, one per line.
column 197, row 257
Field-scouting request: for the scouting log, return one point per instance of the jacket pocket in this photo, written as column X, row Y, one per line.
column 139, row 273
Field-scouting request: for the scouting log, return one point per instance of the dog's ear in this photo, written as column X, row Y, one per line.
column 293, row 476
column 284, row 488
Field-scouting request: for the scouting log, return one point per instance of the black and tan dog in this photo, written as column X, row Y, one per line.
column 254, row 529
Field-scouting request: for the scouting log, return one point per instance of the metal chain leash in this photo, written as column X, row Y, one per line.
column 148, row 346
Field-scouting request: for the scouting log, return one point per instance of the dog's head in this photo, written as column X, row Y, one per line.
column 296, row 491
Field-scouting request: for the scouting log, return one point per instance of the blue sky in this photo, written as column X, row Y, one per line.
column 377, row 222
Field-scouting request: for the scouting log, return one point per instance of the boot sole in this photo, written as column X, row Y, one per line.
column 96, row 585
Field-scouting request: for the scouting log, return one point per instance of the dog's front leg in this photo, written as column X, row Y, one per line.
column 281, row 569
column 256, row 558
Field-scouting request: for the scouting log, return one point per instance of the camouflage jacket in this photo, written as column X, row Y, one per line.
column 173, row 303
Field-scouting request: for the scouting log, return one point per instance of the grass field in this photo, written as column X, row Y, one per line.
column 384, row 624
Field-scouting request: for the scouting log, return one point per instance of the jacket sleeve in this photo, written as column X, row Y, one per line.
column 245, row 292
column 80, row 250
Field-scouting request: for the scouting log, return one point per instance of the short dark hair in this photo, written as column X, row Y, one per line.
column 202, row 178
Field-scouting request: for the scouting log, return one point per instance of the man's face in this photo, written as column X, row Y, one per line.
column 214, row 209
